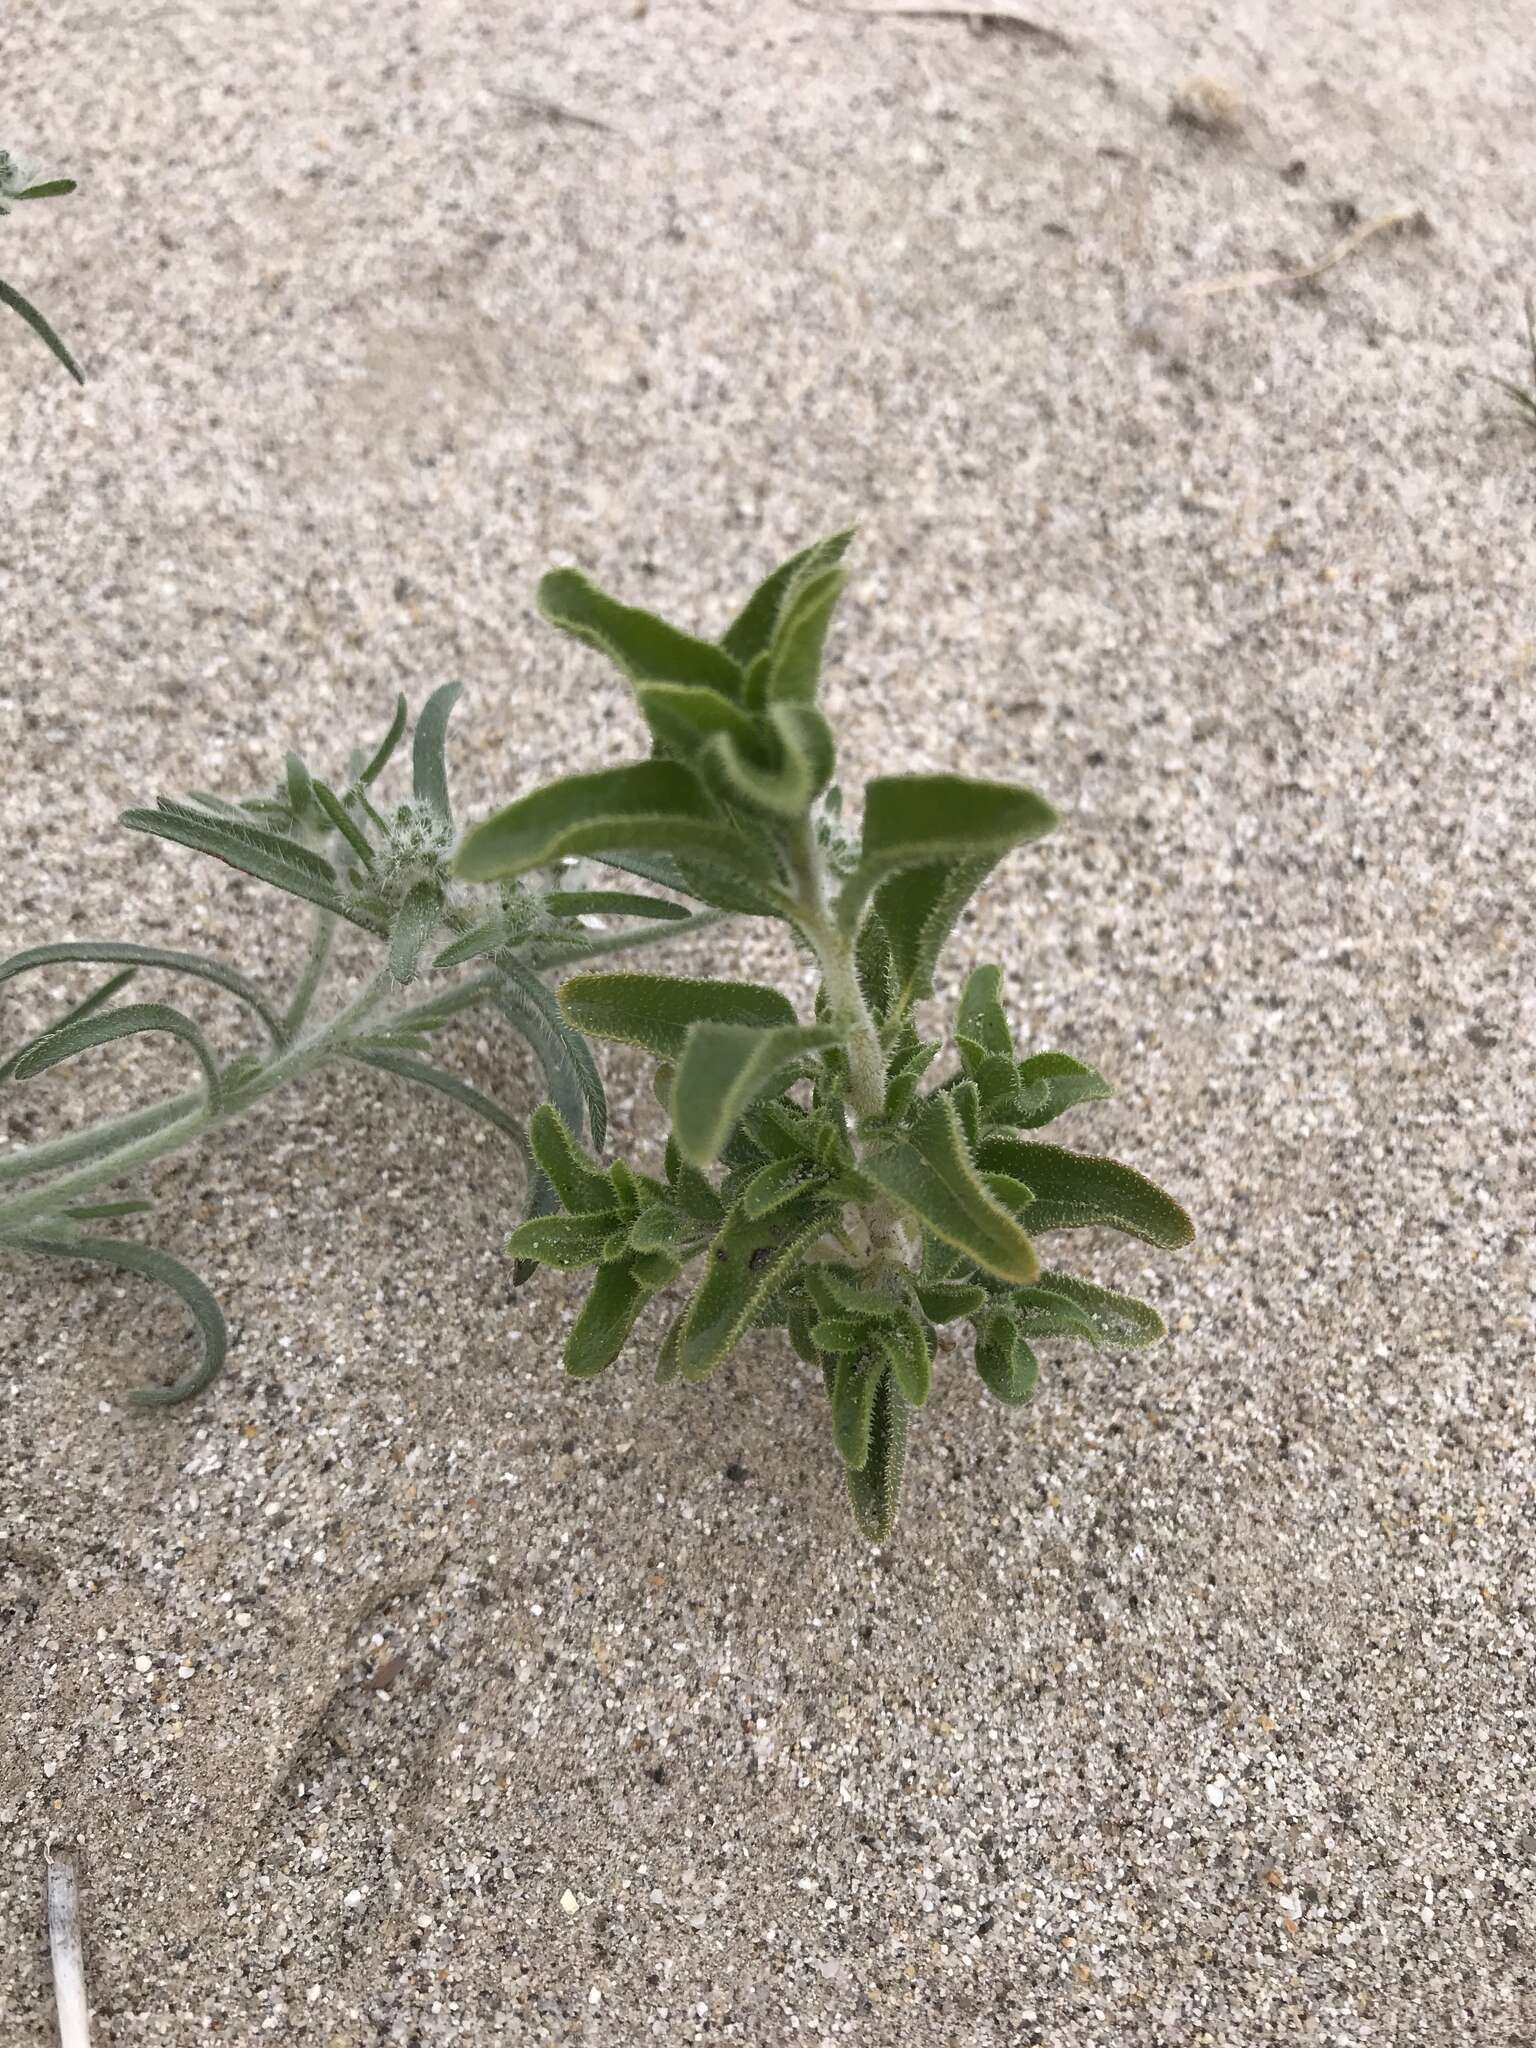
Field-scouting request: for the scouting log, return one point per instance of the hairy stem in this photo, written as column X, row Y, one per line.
column 145, row 1145
column 314, row 969
column 835, row 954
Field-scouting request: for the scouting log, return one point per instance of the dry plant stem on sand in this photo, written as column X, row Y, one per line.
column 66, row 1948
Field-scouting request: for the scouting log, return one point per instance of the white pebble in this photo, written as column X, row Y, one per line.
column 141, row 1663
column 568, row 1902
column 1216, row 1792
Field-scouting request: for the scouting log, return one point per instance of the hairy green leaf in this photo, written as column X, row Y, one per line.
column 1120, row 1319
column 930, row 1172
column 100, row 1027
column 911, row 821
column 255, row 851
column 773, row 1185
column 39, row 326
column 749, row 1257
column 1050, row 1082
column 643, row 646
column 581, row 1186
column 608, row 1315
column 751, row 632
column 723, row 1069
column 415, row 921
column 874, row 1491
column 918, row 910
column 615, row 811
column 904, row 1346
column 429, row 768
column 946, row 1301
column 153, row 1265
column 656, row 1011
column 108, row 953
column 855, row 1382
column 981, row 1016
column 1008, row 1367
column 343, row 821
column 383, row 752
column 782, row 770
column 424, row 1075
column 564, row 1241
column 570, row 1074
column 1072, row 1192
column 794, row 664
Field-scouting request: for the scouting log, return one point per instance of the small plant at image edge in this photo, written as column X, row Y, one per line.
column 1524, row 395
column 382, row 869
column 17, row 185
column 816, row 1177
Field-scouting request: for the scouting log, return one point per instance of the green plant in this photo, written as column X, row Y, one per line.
column 386, row 873
column 822, row 1186
column 16, row 185
column 1525, row 397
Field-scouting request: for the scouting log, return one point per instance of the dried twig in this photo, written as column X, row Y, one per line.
column 64, row 1944
column 1259, row 280
column 982, row 20
column 552, row 111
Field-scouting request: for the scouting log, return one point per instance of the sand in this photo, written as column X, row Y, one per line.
column 1192, row 1705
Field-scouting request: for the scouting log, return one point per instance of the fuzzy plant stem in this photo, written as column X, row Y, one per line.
column 835, row 954
column 151, row 1134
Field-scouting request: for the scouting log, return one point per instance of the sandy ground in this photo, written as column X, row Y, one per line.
column 1194, row 1704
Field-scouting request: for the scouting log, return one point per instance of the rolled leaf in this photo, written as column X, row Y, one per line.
column 643, row 646
column 682, row 716
column 1007, row 1365
column 782, row 770
column 874, row 1491
column 570, row 1073
column 188, row 1289
column 383, row 752
column 723, row 1069
column 656, row 1011
column 930, row 1172
column 109, row 953
column 855, row 1383
column 1049, row 1083
column 1073, row 1192
column 429, row 768
column 794, row 664
column 751, row 632
column 918, row 910
column 100, row 1027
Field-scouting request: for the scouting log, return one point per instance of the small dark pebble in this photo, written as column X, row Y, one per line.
column 735, row 1472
